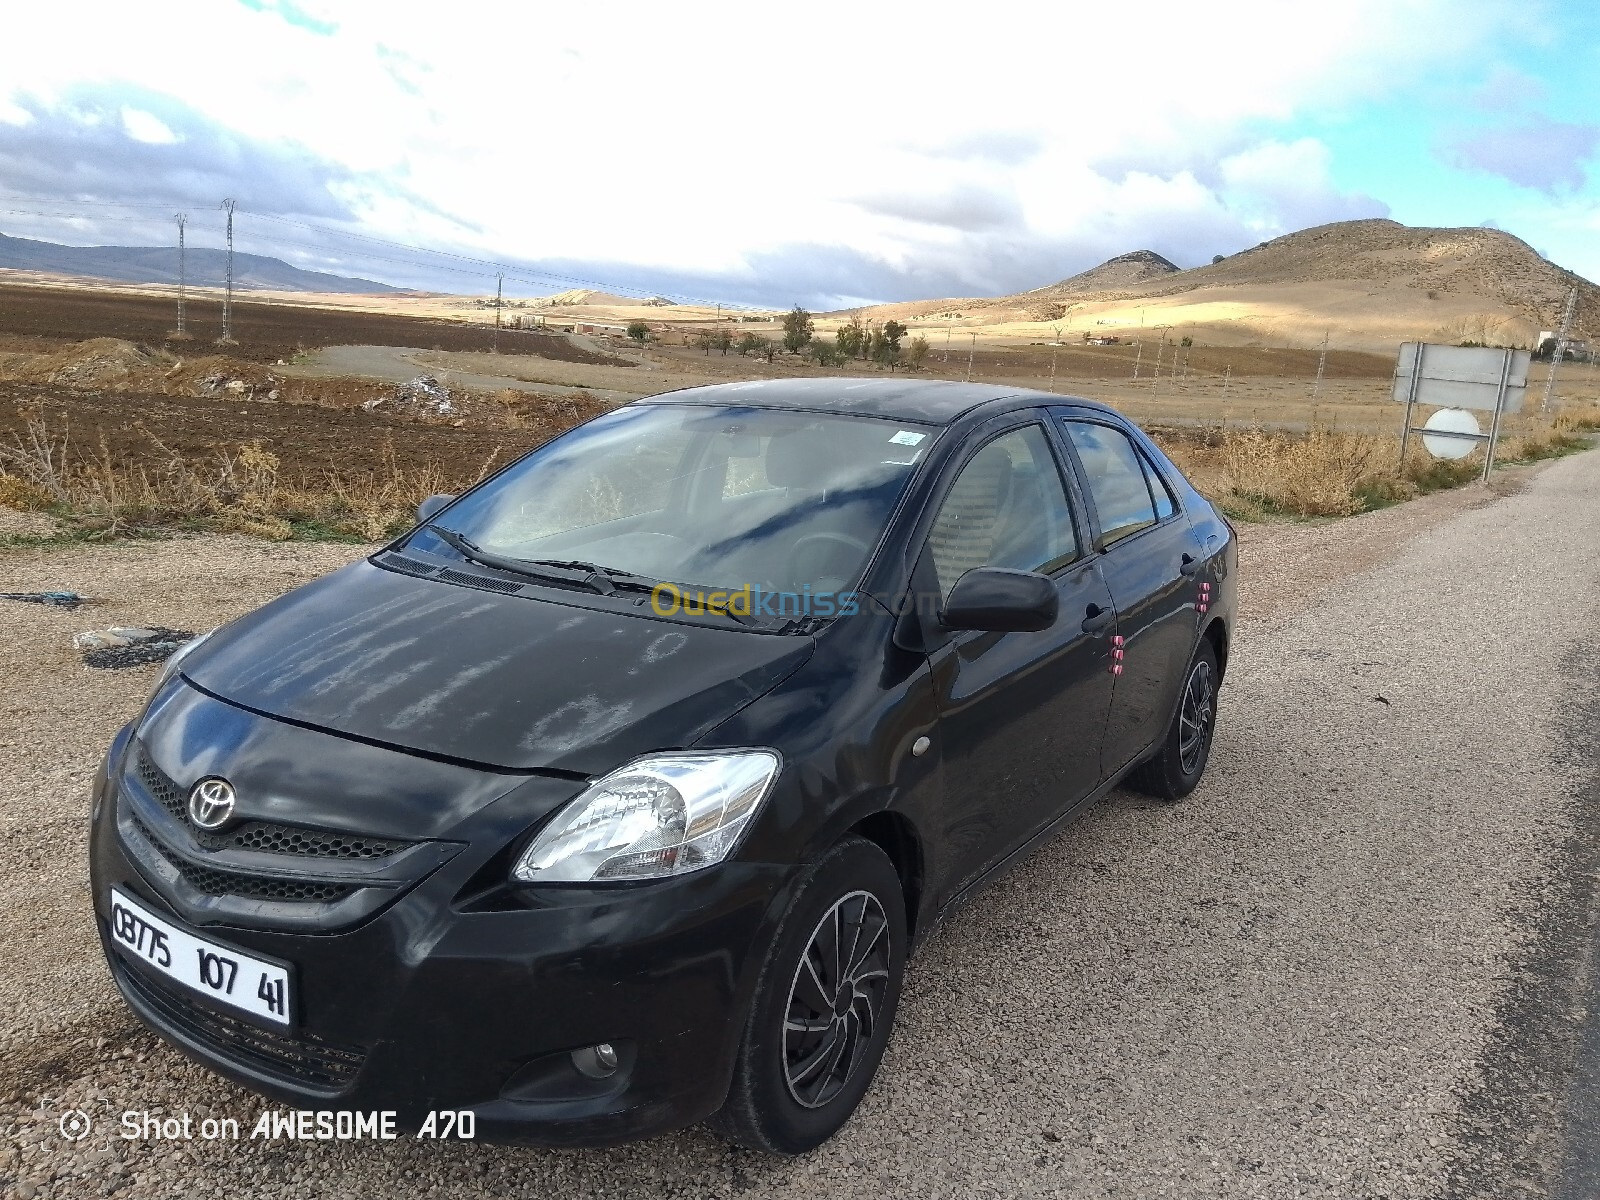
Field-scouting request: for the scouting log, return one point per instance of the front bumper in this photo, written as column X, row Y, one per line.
column 440, row 1002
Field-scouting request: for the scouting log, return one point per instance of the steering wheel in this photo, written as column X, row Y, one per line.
column 853, row 544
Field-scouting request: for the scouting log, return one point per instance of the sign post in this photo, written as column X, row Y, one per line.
column 1480, row 377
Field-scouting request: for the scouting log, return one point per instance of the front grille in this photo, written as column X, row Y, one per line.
column 160, row 785
column 268, row 837
column 214, row 882
column 307, row 843
column 301, row 1058
column 504, row 586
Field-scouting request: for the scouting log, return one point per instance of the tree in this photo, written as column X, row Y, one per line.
column 886, row 343
column 704, row 340
column 796, row 330
column 639, row 331
column 852, row 337
column 1216, row 258
column 916, row 351
column 770, row 347
column 723, row 339
column 749, row 341
column 825, row 352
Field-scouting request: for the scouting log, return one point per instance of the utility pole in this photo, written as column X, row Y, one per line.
column 1138, row 358
column 227, row 296
column 1561, row 349
column 499, row 299
column 1322, row 362
column 948, row 321
column 182, row 219
column 972, row 351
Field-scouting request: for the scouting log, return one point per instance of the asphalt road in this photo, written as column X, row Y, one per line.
column 1355, row 963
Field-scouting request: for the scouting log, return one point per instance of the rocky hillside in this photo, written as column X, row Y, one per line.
column 1117, row 274
column 1490, row 264
column 1365, row 284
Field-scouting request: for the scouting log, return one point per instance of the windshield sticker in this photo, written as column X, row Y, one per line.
column 906, row 438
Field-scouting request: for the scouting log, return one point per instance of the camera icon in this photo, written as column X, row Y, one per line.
column 75, row 1125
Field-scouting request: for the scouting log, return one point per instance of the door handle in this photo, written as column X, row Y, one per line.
column 1189, row 566
column 1098, row 619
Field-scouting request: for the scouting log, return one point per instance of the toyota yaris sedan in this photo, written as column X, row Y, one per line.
column 615, row 795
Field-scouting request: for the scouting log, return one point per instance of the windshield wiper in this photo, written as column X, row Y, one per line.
column 556, row 572
column 605, row 580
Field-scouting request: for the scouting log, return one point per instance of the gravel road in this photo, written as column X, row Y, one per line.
column 1344, row 968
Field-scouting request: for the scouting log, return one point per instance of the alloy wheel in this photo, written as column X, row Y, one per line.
column 1196, row 716
column 836, row 999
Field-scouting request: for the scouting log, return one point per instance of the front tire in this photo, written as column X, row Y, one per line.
column 823, row 1007
column 1178, row 763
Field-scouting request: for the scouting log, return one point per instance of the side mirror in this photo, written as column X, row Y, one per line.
column 999, row 600
column 431, row 507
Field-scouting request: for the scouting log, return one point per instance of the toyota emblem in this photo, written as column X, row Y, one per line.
column 211, row 803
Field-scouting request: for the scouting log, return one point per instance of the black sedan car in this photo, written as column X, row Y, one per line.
column 614, row 796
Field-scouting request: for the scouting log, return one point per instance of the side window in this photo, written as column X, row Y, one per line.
column 1007, row 508
column 1165, row 504
column 1116, row 478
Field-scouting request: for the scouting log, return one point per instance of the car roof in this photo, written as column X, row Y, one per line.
column 926, row 401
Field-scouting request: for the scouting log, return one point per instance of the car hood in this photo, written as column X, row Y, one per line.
column 514, row 682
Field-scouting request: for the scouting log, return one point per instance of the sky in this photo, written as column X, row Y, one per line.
column 768, row 155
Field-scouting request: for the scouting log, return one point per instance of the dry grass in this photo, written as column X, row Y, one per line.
column 100, row 494
column 1253, row 473
column 1256, row 473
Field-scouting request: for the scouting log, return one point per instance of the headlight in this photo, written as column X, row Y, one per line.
column 665, row 814
column 169, row 667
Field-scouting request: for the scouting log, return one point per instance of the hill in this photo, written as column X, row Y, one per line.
column 159, row 265
column 1365, row 284
column 1115, row 274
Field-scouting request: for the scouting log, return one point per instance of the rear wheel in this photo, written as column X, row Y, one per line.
column 823, row 1007
column 1174, row 770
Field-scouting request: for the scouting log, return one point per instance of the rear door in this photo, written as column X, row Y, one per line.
column 1021, row 714
column 1149, row 554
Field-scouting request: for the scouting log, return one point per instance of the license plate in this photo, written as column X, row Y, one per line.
column 212, row 969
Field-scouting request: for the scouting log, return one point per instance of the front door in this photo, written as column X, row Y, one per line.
column 1021, row 714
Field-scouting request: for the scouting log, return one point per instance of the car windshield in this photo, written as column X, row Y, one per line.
column 782, row 501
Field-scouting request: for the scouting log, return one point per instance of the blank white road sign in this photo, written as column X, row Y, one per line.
column 1461, row 376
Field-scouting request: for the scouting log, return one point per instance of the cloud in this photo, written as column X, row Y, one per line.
column 1288, row 185
column 730, row 159
column 1537, row 152
column 1508, row 88
column 115, row 166
column 144, row 127
column 103, row 143
column 966, row 208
